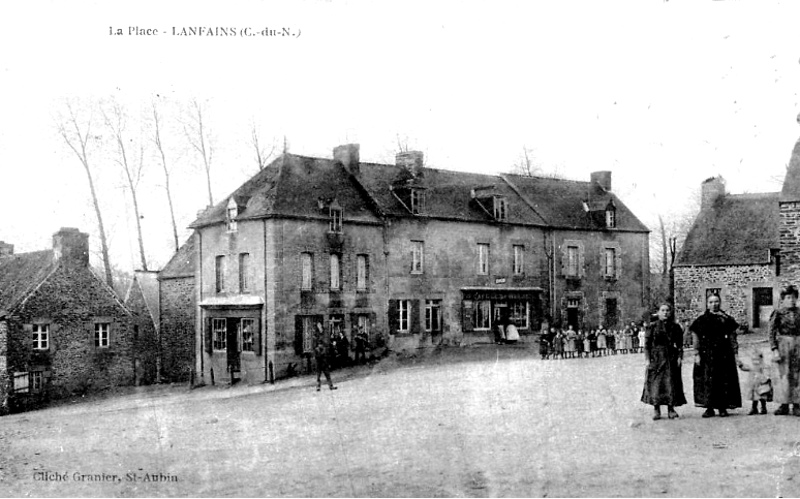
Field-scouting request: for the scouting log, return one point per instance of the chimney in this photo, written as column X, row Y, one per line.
column 348, row 155
column 71, row 247
column 603, row 178
column 711, row 189
column 6, row 249
column 411, row 161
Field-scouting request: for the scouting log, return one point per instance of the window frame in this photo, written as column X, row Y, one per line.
column 306, row 271
column 417, row 257
column 430, row 306
column 484, row 251
column 336, row 215
column 41, row 338
column 518, row 265
column 244, row 272
column 219, row 273
column 404, row 315
column 231, row 212
column 219, row 334
column 610, row 263
column 500, row 206
column 102, row 338
column 336, row 272
column 362, row 266
column 416, row 201
column 611, row 218
column 248, row 338
column 483, row 318
column 514, row 314
column 573, row 261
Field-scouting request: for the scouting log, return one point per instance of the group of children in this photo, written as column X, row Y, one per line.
column 559, row 344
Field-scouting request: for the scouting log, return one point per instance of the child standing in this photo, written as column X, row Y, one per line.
column 759, row 386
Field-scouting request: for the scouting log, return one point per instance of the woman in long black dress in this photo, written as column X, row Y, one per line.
column 663, row 348
column 716, row 379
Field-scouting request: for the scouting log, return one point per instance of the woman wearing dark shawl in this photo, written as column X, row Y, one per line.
column 663, row 349
column 784, row 336
column 716, row 379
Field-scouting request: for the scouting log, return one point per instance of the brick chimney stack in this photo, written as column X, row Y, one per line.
column 411, row 161
column 71, row 247
column 603, row 178
column 348, row 155
column 711, row 189
column 6, row 249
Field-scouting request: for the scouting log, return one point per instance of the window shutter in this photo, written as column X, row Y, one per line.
column 257, row 339
column 28, row 330
column 581, row 269
column 209, row 336
column 468, row 317
column 367, row 285
column 564, row 259
column 415, row 322
column 394, row 318
column 618, row 263
column 298, row 335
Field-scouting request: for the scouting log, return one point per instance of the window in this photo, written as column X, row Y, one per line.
column 417, row 257
column 220, row 273
column 37, row 380
column 219, row 332
column 572, row 261
column 611, row 313
column 363, row 324
column 309, row 329
column 417, row 201
column 101, row 339
column 500, row 210
column 519, row 255
column 336, row 219
column 404, row 314
column 362, row 264
column 306, row 265
column 248, row 334
column 610, row 263
column 244, row 272
column 518, row 312
column 483, row 259
column 41, row 336
column 433, row 315
column 762, row 306
column 611, row 218
column 483, row 314
column 230, row 215
column 335, row 272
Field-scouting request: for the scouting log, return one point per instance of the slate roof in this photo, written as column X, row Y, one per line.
column 791, row 184
column 291, row 186
column 560, row 203
column 20, row 274
column 182, row 262
column 737, row 229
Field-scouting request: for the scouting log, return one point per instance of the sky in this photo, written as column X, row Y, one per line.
column 663, row 94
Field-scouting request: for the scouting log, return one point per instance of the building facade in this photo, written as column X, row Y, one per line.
column 415, row 256
column 176, row 315
column 62, row 330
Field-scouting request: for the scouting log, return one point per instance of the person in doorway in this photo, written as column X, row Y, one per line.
column 716, row 355
column 360, row 343
column 784, row 337
column 663, row 347
column 342, row 350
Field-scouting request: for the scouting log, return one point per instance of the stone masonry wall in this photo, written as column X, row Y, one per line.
column 736, row 283
column 789, row 234
column 177, row 328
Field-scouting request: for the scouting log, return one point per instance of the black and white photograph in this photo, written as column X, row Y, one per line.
column 351, row 248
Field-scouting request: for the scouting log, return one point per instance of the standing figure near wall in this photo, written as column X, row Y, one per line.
column 784, row 336
column 716, row 377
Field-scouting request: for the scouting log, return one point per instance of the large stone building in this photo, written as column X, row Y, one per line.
column 176, row 317
column 62, row 329
column 744, row 247
column 414, row 255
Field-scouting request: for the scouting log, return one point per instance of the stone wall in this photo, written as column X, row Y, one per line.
column 176, row 331
column 736, row 283
column 145, row 341
column 789, row 234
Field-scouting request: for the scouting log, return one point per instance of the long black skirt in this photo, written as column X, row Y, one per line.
column 716, row 381
column 663, row 384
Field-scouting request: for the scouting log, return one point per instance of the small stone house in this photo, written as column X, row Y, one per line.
column 63, row 331
column 733, row 250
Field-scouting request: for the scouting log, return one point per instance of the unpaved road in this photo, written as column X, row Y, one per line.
column 498, row 422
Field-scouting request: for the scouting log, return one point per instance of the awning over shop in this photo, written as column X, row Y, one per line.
column 496, row 293
column 237, row 301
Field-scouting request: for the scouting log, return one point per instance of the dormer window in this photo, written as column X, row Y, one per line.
column 231, row 212
column 335, row 213
column 417, row 201
column 500, row 208
column 611, row 215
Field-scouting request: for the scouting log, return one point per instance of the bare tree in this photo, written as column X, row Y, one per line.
column 528, row 165
column 116, row 121
column 77, row 136
column 160, row 146
column 262, row 155
column 197, row 133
